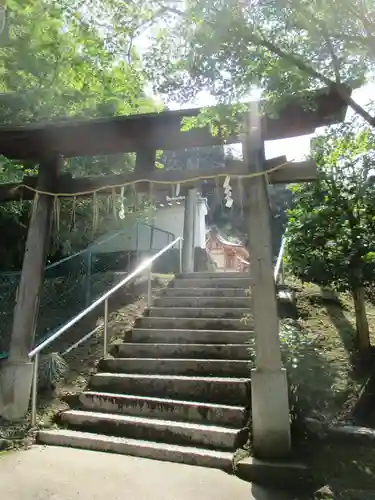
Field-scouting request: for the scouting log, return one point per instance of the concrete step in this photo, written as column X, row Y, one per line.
column 192, row 323
column 187, row 336
column 204, row 292
column 138, row 448
column 187, row 351
column 167, row 409
column 214, row 302
column 212, row 282
column 152, row 429
column 220, row 390
column 198, row 312
column 215, row 275
column 166, row 366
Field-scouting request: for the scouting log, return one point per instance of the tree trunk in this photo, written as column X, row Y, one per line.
column 363, row 338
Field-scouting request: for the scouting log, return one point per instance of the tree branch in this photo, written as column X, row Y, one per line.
column 301, row 65
column 320, row 30
column 294, row 60
column 362, row 15
column 335, row 60
column 355, row 106
column 148, row 22
column 129, row 51
column 305, row 68
column 172, row 10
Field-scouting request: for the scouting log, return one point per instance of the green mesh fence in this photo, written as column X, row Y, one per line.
column 73, row 283
column 8, row 289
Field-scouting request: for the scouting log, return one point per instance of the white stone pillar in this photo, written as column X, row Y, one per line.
column 269, row 387
column 188, row 243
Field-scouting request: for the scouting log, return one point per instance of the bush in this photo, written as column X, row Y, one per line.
column 52, row 369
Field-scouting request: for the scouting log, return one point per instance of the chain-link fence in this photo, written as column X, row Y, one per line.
column 74, row 282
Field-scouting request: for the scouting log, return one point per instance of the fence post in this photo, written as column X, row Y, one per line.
column 149, row 286
column 137, row 241
column 180, row 255
column 151, row 239
column 88, row 278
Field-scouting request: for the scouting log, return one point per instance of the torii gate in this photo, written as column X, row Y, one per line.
column 46, row 144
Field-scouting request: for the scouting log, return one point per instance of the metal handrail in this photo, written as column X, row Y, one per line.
column 158, row 229
column 147, row 264
column 279, row 267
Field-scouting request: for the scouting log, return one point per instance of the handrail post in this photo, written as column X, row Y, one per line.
column 105, row 340
column 34, row 390
column 149, row 286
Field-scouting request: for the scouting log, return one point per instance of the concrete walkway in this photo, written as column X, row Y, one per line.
column 52, row 473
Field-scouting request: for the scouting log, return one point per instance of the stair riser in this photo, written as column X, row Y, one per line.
column 216, row 302
column 212, row 283
column 188, row 457
column 204, row 312
column 187, row 351
column 188, row 336
column 194, row 367
column 149, row 432
column 193, row 323
column 176, row 411
column 221, row 392
column 204, row 292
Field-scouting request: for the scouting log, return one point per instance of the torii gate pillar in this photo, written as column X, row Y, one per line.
column 16, row 375
column 269, row 386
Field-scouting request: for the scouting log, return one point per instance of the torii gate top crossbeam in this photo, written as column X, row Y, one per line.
column 121, row 134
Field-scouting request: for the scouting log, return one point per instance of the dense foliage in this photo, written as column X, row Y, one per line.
column 56, row 62
column 332, row 225
column 284, row 47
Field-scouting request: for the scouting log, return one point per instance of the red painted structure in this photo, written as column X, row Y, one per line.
column 228, row 255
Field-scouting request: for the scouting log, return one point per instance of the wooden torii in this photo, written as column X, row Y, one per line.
column 47, row 143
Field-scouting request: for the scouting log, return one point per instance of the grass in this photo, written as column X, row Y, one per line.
column 326, row 380
column 322, row 361
column 163, row 276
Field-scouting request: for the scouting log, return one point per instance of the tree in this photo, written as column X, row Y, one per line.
column 287, row 48
column 331, row 229
column 56, row 64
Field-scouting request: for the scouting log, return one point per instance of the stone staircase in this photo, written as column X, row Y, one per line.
column 178, row 387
